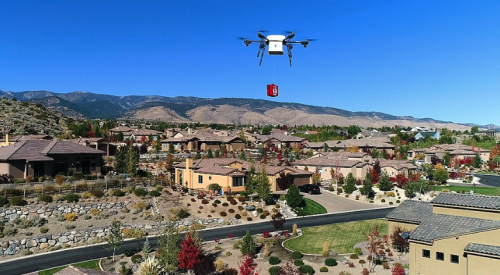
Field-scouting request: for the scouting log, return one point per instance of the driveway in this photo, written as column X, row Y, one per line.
column 489, row 180
column 334, row 203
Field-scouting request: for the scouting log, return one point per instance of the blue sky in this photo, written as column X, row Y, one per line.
column 438, row 59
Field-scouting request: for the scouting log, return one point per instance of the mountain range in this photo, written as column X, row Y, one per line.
column 218, row 110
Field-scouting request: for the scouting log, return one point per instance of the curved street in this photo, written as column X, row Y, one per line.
column 67, row 256
column 489, row 180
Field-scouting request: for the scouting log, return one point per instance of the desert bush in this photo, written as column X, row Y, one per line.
column 351, row 264
column 265, row 212
column 229, row 253
column 273, row 260
column 296, row 255
column 183, row 213
column 140, row 192
column 240, row 207
column 390, row 194
column 298, row 262
column 398, row 201
column 391, row 203
column 225, row 204
column 70, row 226
column 358, row 251
column 70, row 217
column 233, row 202
column 249, row 219
column 45, row 198
column 260, row 210
column 353, row 256
column 362, row 261
column 323, row 269
column 231, row 211
column 9, row 230
column 223, row 214
column 306, row 269
column 237, row 216
column 3, row 201
column 274, row 270
column 136, row 259
column 98, row 193
column 219, row 265
column 140, row 205
column 118, row 193
column 87, row 217
column 262, row 216
column 17, row 201
column 72, row 197
column 154, row 193
column 365, row 271
column 95, row 212
column 128, row 252
column 386, row 265
column 331, row 262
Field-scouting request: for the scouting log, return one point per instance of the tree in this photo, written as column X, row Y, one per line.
column 278, row 220
column 189, row 255
column 410, row 190
column 446, row 158
column 441, row 175
column 474, row 130
column 248, row 246
column 476, row 162
column 375, row 153
column 285, row 180
column 289, row 269
column 168, row 248
column 350, row 184
column 247, row 266
column 398, row 242
column 120, row 136
column 171, row 148
column 398, row 269
column 293, row 197
column 210, row 154
column 374, row 242
column 115, row 238
column 263, row 188
column 146, row 249
column 367, row 189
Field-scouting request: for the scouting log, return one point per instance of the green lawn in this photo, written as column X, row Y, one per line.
column 94, row 264
column 311, row 208
column 489, row 191
column 341, row 236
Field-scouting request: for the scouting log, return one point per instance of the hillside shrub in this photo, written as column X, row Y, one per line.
column 98, row 193
column 44, row 230
column 72, row 197
column 154, row 193
column 45, row 198
column 3, row 201
column 136, row 259
column 183, row 213
column 140, row 192
column 17, row 201
column 70, row 217
column 273, row 260
column 118, row 193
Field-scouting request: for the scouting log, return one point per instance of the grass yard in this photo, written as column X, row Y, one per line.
column 341, row 236
column 94, row 264
column 489, row 191
column 311, row 208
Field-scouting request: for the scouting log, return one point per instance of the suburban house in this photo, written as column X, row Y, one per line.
column 458, row 151
column 97, row 143
column 395, row 167
column 135, row 133
column 203, row 141
column 452, row 234
column 490, row 132
column 9, row 140
column 229, row 173
column 280, row 141
column 38, row 158
column 363, row 144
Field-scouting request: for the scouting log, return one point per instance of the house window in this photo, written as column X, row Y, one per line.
column 200, row 179
column 237, row 182
column 454, row 259
column 209, row 177
column 440, row 256
column 426, row 253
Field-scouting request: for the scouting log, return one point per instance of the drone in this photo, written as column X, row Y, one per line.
column 276, row 43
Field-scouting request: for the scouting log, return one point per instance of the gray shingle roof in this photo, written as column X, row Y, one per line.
column 411, row 211
column 468, row 200
column 41, row 150
column 483, row 249
column 439, row 226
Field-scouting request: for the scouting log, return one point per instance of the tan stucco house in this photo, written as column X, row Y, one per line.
column 452, row 234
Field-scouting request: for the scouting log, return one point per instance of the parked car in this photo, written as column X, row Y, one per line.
column 310, row 188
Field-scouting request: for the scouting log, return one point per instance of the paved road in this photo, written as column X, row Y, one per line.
column 334, row 203
column 63, row 257
column 489, row 180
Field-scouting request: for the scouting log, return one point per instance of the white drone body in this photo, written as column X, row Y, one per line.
column 275, row 44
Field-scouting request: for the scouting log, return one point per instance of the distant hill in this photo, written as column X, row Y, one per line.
column 25, row 118
column 217, row 110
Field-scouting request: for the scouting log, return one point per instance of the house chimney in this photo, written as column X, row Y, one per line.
column 189, row 131
column 187, row 174
column 6, row 139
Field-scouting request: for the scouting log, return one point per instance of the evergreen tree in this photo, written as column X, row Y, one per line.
column 171, row 148
column 384, row 183
column 367, row 189
column 243, row 155
column 350, row 184
column 263, row 188
column 476, row 162
column 293, row 197
column 120, row 136
column 248, row 246
column 210, row 154
column 168, row 248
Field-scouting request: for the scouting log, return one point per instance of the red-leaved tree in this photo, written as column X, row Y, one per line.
column 398, row 269
column 247, row 266
column 189, row 255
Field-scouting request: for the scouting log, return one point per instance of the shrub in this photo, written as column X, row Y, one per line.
column 72, row 197
column 382, row 200
column 140, row 192
column 266, row 213
column 95, row 212
column 229, row 253
column 217, row 201
column 128, row 253
column 17, row 201
column 45, row 198
column 98, row 193
column 351, row 264
column 240, row 207
column 118, row 193
column 386, row 265
column 306, row 269
column 390, row 194
column 44, row 230
column 353, row 256
column 237, row 216
column 233, row 202
column 298, row 262
column 274, row 270
column 249, row 219
column 273, row 260
column 398, row 201
column 231, row 211
column 296, row 255
column 70, row 226
column 358, row 251
column 223, row 214
column 9, row 230
column 323, row 269
column 70, row 217
column 183, row 213
column 259, row 210
column 365, row 271
column 193, row 200
column 362, row 261
column 3, row 201
column 344, row 273
column 262, row 216
column 391, row 203
column 136, row 259
column 154, row 193
column 87, row 217
column 225, row 204
column 331, row 262
column 204, row 201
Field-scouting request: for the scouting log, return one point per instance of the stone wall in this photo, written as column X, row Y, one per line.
column 54, row 210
